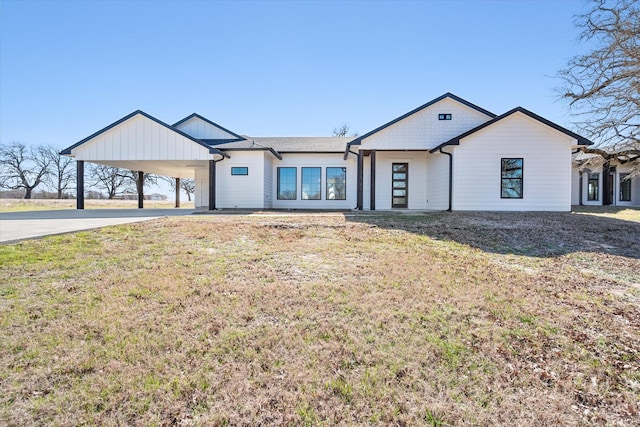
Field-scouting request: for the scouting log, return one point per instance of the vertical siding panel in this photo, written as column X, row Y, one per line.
column 137, row 151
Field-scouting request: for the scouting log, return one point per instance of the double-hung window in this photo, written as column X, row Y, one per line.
column 593, row 186
column 311, row 183
column 511, row 178
column 287, row 183
column 625, row 188
column 336, row 184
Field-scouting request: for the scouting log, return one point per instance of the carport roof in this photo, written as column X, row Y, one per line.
column 212, row 150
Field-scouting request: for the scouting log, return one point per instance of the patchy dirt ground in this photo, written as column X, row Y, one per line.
column 430, row 319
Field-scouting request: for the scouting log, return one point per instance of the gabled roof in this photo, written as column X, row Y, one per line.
column 456, row 141
column 359, row 139
column 196, row 115
column 67, row 151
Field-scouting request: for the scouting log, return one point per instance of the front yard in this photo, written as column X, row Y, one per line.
column 428, row 319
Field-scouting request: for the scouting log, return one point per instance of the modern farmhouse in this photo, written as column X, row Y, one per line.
column 445, row 154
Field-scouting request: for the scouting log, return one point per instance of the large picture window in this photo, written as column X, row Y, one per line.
column 336, row 184
column 511, row 178
column 625, row 188
column 593, row 186
column 311, row 183
column 287, row 183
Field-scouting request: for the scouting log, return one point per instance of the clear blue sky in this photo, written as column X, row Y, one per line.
column 272, row 68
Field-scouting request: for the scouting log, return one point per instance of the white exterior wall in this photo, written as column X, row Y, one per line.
column 438, row 181
column 140, row 138
column 417, row 177
column 322, row 160
column 635, row 187
column 268, row 180
column 240, row 191
column 575, row 186
column 200, row 129
column 585, row 189
column 546, row 168
column 201, row 195
column 423, row 130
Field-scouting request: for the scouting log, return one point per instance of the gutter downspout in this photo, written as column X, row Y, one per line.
column 360, row 176
column 212, row 183
column 450, row 177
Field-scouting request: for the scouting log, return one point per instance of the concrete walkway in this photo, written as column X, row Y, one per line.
column 15, row 226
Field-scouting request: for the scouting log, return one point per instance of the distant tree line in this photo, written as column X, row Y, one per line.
column 24, row 169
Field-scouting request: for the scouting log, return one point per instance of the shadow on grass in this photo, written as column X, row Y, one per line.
column 539, row 234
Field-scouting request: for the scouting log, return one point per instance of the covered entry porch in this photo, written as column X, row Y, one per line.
column 402, row 180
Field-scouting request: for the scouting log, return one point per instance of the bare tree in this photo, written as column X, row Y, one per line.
column 61, row 168
column 111, row 179
column 343, row 130
column 603, row 86
column 186, row 184
column 23, row 168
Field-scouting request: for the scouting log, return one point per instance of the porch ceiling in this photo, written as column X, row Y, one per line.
column 170, row 168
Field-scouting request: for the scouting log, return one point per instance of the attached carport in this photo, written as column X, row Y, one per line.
column 142, row 143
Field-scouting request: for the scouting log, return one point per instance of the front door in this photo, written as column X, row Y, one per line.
column 400, row 185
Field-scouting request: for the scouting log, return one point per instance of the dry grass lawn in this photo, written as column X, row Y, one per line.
column 433, row 319
column 19, row 205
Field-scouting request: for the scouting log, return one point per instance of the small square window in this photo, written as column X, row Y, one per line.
column 239, row 171
column 446, row 116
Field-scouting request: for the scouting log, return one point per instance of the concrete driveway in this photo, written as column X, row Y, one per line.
column 15, row 226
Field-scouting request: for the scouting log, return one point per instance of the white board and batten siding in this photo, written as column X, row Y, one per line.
column 140, row 138
column 546, row 155
column 323, row 161
column 423, row 130
column 198, row 128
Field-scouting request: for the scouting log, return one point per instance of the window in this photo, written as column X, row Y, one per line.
column 446, row 116
column 593, row 186
column 239, row 171
column 311, row 183
column 511, row 178
column 287, row 183
column 336, row 184
column 625, row 188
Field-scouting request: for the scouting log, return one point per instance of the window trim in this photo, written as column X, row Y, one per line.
column 302, row 168
column 597, row 186
column 621, row 182
column 235, row 168
column 295, row 186
column 521, row 179
column 326, row 175
column 445, row 116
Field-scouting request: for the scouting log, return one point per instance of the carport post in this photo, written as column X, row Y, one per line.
column 177, row 192
column 212, row 185
column 140, row 185
column 80, row 184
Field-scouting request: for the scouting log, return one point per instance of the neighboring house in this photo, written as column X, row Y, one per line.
column 445, row 154
column 599, row 183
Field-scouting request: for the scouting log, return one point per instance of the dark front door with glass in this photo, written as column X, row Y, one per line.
column 400, row 185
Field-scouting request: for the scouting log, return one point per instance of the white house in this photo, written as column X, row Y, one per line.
column 605, row 183
column 445, row 154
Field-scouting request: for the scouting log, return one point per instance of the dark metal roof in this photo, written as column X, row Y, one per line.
column 358, row 140
column 196, row 115
column 456, row 141
column 212, row 150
